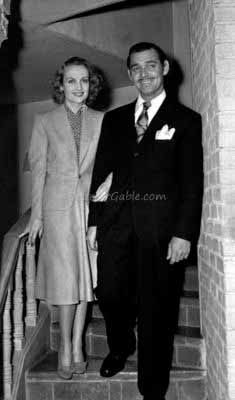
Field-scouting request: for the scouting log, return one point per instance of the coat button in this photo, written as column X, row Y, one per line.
column 136, row 154
column 79, row 176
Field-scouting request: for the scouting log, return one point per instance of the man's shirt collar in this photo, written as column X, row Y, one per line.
column 156, row 103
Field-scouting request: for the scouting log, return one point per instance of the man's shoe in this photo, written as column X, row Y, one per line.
column 112, row 364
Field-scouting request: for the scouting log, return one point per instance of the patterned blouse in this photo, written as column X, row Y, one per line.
column 75, row 121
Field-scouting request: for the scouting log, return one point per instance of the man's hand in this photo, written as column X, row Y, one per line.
column 91, row 238
column 103, row 190
column 178, row 250
column 35, row 229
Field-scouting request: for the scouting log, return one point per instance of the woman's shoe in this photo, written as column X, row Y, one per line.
column 64, row 371
column 79, row 367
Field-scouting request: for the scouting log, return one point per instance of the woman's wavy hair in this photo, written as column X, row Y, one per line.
column 96, row 81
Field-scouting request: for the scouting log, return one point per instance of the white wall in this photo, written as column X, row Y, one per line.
column 181, row 47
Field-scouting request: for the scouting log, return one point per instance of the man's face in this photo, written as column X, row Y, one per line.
column 147, row 72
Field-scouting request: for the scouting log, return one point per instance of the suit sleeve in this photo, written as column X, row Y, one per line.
column 38, row 162
column 190, row 180
column 102, row 167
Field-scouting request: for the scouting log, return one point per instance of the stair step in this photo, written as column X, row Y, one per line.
column 189, row 348
column 191, row 282
column 43, row 383
column 189, row 312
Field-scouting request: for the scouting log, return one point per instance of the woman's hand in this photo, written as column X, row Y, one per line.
column 91, row 238
column 35, row 229
column 103, row 190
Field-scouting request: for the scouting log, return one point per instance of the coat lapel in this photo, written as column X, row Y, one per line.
column 64, row 129
column 89, row 127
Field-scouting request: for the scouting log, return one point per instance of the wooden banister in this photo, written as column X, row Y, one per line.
column 9, row 255
column 17, row 277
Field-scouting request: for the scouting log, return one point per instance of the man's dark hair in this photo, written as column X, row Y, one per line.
column 142, row 46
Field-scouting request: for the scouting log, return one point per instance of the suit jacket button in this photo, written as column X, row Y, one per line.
column 136, row 154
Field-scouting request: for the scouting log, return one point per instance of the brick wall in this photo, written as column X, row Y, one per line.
column 225, row 78
column 212, row 25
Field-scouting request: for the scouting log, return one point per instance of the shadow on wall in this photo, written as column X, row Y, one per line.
column 9, row 53
column 174, row 78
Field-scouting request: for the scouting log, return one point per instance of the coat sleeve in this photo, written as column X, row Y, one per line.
column 38, row 163
column 102, row 167
column 190, row 180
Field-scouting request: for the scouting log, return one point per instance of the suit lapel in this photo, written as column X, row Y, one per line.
column 131, row 127
column 130, row 121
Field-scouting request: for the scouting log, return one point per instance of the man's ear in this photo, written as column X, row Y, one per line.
column 166, row 67
column 129, row 74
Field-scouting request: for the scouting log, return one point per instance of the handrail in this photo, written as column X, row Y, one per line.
column 18, row 304
column 9, row 255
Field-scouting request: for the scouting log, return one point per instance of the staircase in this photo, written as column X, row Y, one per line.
column 188, row 375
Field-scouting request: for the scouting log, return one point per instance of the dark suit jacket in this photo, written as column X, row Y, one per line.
column 164, row 178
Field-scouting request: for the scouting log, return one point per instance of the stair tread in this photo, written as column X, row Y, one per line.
column 45, row 370
column 189, row 332
column 190, row 294
column 97, row 327
column 188, row 299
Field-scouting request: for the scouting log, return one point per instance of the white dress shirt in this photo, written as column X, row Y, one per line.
column 155, row 105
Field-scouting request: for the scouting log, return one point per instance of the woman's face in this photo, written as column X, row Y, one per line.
column 75, row 84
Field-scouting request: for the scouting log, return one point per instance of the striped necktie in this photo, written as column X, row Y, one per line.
column 142, row 122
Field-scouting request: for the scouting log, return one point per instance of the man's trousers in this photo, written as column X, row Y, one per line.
column 136, row 281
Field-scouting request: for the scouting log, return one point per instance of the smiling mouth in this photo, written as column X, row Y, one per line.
column 78, row 94
column 145, row 81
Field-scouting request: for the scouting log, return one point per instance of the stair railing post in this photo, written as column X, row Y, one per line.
column 31, row 306
column 7, row 348
column 18, row 303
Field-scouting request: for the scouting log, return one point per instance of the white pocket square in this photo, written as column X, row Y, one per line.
column 165, row 133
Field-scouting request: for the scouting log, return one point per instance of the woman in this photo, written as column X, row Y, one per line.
column 61, row 157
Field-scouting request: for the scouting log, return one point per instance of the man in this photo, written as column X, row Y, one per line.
column 145, row 228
